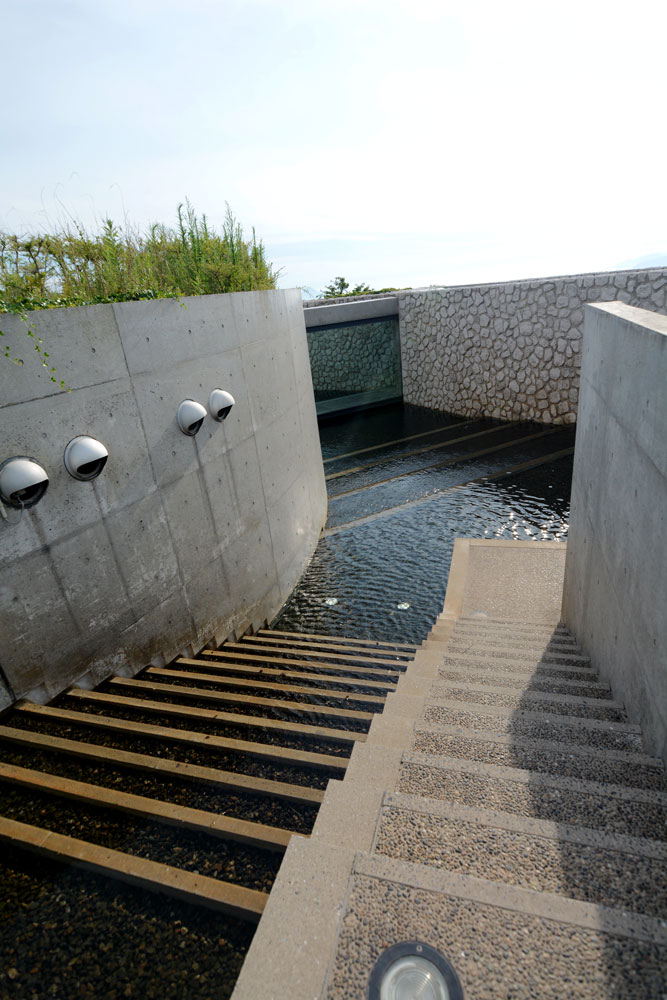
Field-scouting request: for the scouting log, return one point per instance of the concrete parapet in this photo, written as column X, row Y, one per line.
column 615, row 596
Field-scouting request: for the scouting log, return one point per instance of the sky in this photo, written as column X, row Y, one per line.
column 395, row 143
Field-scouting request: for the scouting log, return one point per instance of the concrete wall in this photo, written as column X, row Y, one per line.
column 615, row 595
column 181, row 540
column 509, row 350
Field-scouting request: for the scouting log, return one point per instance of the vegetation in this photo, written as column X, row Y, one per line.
column 340, row 288
column 71, row 267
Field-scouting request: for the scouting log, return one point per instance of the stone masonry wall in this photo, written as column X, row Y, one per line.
column 509, row 351
column 356, row 357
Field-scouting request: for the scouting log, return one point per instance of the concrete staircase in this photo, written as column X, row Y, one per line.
column 502, row 810
column 526, row 836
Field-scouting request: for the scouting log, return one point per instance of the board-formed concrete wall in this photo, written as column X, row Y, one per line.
column 181, row 540
column 615, row 594
column 510, row 350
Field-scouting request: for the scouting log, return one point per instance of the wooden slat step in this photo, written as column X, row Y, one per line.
column 215, row 825
column 266, row 657
column 339, row 638
column 203, row 694
column 247, row 904
column 231, row 669
column 314, row 692
column 315, row 646
column 261, row 651
column 170, row 768
column 199, row 741
column 162, row 709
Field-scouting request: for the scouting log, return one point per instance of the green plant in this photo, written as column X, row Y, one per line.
column 70, row 267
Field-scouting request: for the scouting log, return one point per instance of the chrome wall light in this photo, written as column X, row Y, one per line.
column 23, row 482
column 220, row 403
column 413, row 969
column 190, row 416
column 85, row 457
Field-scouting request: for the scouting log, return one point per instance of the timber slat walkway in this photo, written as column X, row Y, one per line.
column 205, row 747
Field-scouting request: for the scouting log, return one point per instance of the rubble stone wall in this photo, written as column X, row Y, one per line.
column 509, row 351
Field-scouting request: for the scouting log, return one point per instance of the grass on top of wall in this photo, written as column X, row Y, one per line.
column 72, row 267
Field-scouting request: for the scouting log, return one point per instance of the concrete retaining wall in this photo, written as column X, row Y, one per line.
column 509, row 350
column 181, row 540
column 615, row 595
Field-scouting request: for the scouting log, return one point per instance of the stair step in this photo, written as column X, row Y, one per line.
column 588, row 763
column 607, row 807
column 500, row 668
column 503, row 941
column 337, row 639
column 543, row 654
column 557, row 728
column 536, row 682
column 535, row 701
column 559, row 643
column 518, row 662
column 623, row 872
column 519, row 627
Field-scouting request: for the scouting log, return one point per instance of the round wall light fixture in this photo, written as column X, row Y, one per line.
column 85, row 457
column 190, row 416
column 23, row 482
column 413, row 969
column 220, row 403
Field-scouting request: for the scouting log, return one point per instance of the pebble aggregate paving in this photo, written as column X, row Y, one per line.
column 581, row 872
column 541, row 801
column 551, row 961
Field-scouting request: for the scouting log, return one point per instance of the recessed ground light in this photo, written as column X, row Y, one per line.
column 412, row 969
column 403, row 606
column 331, row 600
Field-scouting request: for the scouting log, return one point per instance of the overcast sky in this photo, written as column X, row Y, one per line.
column 394, row 142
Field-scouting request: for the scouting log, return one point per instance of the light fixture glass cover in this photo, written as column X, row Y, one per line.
column 190, row 416
column 220, row 403
column 413, row 969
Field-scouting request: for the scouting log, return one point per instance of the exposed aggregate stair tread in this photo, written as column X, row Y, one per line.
column 339, row 686
column 526, row 792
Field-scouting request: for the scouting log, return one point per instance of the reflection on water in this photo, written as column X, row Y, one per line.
column 386, row 578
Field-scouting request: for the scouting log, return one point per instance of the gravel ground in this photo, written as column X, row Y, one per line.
column 611, row 878
column 242, row 805
column 546, row 802
column 543, row 729
column 498, row 954
column 543, row 761
column 66, row 934
column 194, row 852
column 240, row 763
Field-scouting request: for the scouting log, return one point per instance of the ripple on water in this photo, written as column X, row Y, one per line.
column 403, row 557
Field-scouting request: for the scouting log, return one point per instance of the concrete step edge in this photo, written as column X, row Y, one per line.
column 502, row 711
column 561, row 832
column 554, row 699
column 504, row 739
column 526, row 777
column 566, row 670
column 520, row 625
column 543, row 905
